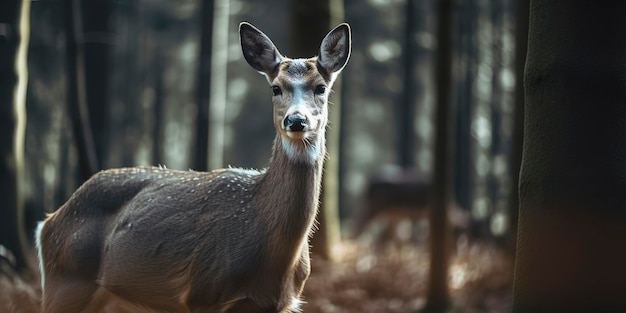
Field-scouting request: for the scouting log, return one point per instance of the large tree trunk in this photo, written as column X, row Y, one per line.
column 572, row 223
column 438, row 297
column 14, row 34
column 310, row 21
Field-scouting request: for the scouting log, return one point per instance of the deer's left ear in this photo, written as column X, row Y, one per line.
column 335, row 49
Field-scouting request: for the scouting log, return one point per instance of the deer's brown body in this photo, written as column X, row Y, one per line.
column 230, row 240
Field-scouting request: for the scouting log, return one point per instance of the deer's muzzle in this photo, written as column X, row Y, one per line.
column 295, row 122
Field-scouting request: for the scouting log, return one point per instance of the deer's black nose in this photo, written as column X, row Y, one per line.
column 295, row 122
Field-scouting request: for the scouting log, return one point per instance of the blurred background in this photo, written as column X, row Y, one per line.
column 155, row 82
column 146, row 86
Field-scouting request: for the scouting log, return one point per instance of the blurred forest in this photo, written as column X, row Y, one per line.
column 146, row 87
column 153, row 82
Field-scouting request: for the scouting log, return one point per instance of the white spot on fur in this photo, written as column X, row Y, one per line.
column 295, row 305
column 246, row 173
column 39, row 253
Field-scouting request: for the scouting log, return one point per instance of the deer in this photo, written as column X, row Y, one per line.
column 400, row 196
column 229, row 240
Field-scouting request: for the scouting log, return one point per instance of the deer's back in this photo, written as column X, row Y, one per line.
column 175, row 228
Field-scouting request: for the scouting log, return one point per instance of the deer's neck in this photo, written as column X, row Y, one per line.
column 290, row 190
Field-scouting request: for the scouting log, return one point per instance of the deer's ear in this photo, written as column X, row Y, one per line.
column 335, row 49
column 258, row 49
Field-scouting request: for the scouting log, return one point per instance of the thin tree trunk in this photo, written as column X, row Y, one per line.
column 97, row 47
column 219, row 80
column 467, row 54
column 405, row 108
column 203, row 88
column 572, row 222
column 159, row 107
column 521, row 44
column 14, row 35
column 310, row 21
column 438, row 297
column 328, row 217
column 77, row 92
column 132, row 141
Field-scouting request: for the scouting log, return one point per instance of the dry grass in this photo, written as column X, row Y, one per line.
column 392, row 278
column 18, row 294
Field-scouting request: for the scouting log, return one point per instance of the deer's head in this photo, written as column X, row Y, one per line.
column 300, row 87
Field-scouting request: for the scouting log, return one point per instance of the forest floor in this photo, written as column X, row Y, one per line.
column 388, row 279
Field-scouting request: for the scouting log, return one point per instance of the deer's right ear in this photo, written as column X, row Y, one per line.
column 335, row 49
column 258, row 49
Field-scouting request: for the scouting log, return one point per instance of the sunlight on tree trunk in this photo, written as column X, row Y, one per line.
column 572, row 222
column 219, row 79
column 14, row 35
column 310, row 23
column 329, row 209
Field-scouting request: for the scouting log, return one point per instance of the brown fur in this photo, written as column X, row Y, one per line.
column 229, row 240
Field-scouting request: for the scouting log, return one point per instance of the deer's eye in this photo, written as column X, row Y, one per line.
column 320, row 90
column 276, row 91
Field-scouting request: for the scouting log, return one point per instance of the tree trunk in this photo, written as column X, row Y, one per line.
column 97, row 25
column 203, row 88
column 219, row 80
column 521, row 44
column 405, row 108
column 77, row 93
column 14, row 34
column 572, row 222
column 310, row 22
column 438, row 297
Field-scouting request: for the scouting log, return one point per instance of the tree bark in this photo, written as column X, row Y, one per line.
column 14, row 35
column 572, row 222
column 438, row 296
